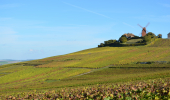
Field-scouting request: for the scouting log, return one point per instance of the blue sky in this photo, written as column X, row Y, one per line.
column 35, row 29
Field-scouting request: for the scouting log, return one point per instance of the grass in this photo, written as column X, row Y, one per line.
column 154, row 65
column 156, row 89
column 104, row 65
column 99, row 79
column 109, row 75
column 161, row 43
column 104, row 56
column 132, row 41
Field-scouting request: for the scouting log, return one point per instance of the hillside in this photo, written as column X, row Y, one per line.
column 86, row 67
column 100, row 57
column 161, row 43
column 132, row 41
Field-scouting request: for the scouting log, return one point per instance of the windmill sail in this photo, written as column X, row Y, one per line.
column 143, row 33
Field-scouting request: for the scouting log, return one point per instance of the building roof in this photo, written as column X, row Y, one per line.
column 129, row 35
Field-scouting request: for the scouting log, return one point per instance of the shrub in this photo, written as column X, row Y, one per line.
column 138, row 62
column 151, row 34
column 106, row 43
column 111, row 41
column 168, row 62
column 136, row 37
column 147, row 38
column 101, row 44
column 123, row 36
column 159, row 35
column 150, row 62
column 123, row 39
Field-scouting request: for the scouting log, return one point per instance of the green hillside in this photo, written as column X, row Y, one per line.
column 161, row 43
column 132, row 41
column 104, row 65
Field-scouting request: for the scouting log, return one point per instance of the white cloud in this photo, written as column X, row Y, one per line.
column 74, row 32
column 128, row 24
column 5, row 19
column 49, row 36
column 9, row 5
column 6, row 31
column 31, row 50
column 87, row 10
column 163, row 18
column 8, row 35
column 165, row 5
column 36, row 50
column 64, row 36
column 19, row 23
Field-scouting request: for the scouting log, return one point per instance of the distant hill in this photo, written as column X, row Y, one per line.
column 10, row 61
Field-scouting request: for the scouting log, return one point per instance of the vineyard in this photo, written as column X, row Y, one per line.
column 161, row 43
column 157, row 89
column 86, row 68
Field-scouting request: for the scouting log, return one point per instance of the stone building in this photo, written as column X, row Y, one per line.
column 129, row 35
column 169, row 35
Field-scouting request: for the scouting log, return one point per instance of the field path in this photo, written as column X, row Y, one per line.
column 93, row 70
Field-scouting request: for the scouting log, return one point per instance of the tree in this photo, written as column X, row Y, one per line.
column 151, row 34
column 123, row 39
column 135, row 37
column 147, row 38
column 101, row 45
column 123, row 35
column 106, row 43
column 159, row 35
column 111, row 41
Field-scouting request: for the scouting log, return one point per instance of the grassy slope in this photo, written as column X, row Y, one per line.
column 132, row 41
column 161, row 43
column 59, row 71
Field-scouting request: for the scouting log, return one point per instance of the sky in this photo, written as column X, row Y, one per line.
column 36, row 29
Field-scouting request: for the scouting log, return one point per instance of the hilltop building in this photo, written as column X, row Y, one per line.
column 169, row 35
column 129, row 35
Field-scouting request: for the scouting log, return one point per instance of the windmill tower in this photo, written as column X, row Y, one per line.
column 143, row 33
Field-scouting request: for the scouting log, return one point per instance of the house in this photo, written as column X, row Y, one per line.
column 129, row 35
column 169, row 35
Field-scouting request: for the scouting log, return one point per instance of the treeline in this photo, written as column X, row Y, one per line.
column 119, row 43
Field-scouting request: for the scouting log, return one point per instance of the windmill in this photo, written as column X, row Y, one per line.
column 143, row 33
